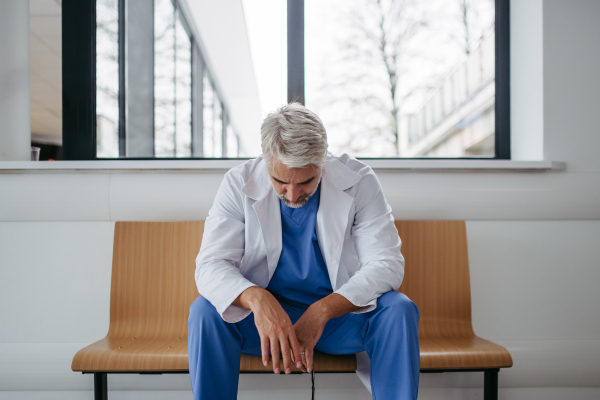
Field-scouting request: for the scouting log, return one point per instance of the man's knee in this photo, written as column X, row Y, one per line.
column 202, row 309
column 398, row 303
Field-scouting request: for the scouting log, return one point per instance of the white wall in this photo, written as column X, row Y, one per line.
column 15, row 126
column 527, row 79
column 571, row 83
column 533, row 249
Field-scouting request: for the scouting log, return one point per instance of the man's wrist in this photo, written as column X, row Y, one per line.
column 250, row 298
column 255, row 297
column 323, row 309
column 333, row 305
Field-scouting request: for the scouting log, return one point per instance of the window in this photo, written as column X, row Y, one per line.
column 389, row 78
column 147, row 60
column 403, row 78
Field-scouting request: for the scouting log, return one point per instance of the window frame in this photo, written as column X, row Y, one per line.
column 79, row 80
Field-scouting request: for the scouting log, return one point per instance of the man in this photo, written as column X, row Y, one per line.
column 299, row 253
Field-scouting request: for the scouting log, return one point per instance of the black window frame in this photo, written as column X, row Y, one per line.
column 79, row 79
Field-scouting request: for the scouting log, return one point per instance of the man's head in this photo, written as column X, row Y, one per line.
column 294, row 146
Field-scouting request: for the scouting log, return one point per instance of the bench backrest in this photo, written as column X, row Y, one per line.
column 437, row 276
column 153, row 284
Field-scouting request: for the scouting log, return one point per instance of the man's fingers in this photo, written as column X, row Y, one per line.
column 302, row 364
column 308, row 353
column 285, row 352
column 275, row 354
column 297, row 357
column 264, row 348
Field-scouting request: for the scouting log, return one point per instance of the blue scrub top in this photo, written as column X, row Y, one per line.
column 301, row 276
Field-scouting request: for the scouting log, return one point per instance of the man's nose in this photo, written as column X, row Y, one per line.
column 293, row 193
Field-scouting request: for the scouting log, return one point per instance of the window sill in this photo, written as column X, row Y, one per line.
column 224, row 165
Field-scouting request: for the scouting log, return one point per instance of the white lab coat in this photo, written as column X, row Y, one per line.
column 355, row 229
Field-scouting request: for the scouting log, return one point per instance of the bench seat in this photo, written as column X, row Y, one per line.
column 462, row 353
column 169, row 354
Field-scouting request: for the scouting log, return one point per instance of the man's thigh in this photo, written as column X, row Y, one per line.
column 344, row 335
column 347, row 334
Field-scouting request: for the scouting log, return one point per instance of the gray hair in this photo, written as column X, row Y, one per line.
column 295, row 136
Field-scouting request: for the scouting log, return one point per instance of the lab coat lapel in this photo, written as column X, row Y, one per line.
column 269, row 217
column 333, row 213
column 267, row 210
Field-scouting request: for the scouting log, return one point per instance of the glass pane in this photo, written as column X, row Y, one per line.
column 107, row 81
column 165, row 53
column 183, row 88
column 209, row 143
column 217, row 128
column 266, row 24
column 232, row 143
column 164, row 78
column 403, row 78
column 172, row 83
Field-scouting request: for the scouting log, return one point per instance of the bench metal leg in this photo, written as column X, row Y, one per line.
column 100, row 386
column 490, row 384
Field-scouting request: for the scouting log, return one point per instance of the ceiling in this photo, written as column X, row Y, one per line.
column 45, row 71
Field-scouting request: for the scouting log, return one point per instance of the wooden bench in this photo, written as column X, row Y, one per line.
column 152, row 286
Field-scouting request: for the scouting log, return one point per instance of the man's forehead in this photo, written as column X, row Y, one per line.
column 283, row 173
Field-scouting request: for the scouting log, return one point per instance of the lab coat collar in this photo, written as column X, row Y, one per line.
column 259, row 184
column 339, row 174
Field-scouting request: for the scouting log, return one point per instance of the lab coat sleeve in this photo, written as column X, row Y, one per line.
column 377, row 245
column 218, row 277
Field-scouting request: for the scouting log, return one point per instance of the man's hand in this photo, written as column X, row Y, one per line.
column 309, row 327
column 274, row 327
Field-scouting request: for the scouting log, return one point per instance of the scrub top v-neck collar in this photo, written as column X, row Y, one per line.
column 301, row 276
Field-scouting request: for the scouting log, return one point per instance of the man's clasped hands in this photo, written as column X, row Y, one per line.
column 294, row 343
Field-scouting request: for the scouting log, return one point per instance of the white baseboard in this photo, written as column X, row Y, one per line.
column 550, row 393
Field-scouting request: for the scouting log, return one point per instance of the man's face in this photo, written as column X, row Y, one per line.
column 294, row 186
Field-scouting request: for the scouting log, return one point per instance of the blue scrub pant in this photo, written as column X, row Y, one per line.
column 389, row 335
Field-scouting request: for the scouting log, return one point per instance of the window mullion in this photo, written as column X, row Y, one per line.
column 502, row 111
column 295, row 50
